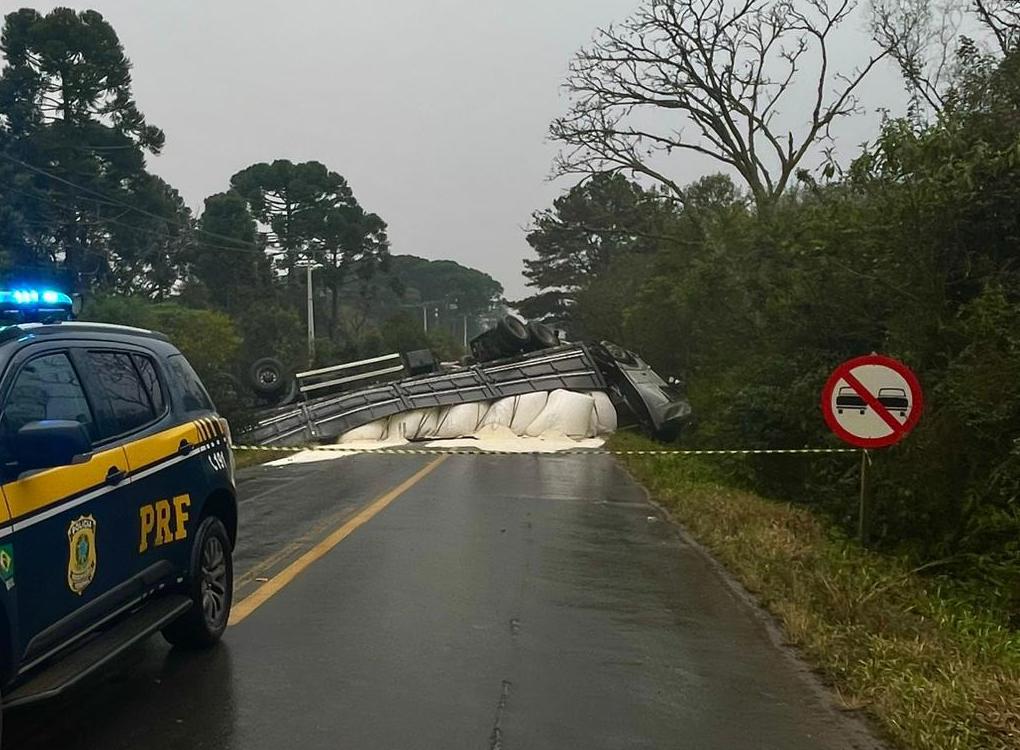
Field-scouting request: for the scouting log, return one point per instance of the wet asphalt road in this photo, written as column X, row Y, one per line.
column 499, row 603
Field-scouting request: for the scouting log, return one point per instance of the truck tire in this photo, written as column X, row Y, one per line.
column 210, row 585
column 513, row 335
column 267, row 376
column 542, row 336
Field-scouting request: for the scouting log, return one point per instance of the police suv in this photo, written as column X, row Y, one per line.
column 118, row 513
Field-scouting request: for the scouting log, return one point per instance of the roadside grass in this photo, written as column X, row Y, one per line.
column 244, row 459
column 934, row 669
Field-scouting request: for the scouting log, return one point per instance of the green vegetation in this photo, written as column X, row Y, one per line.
column 66, row 103
column 753, row 295
column 471, row 292
column 926, row 657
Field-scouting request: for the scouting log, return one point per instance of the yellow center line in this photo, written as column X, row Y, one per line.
column 309, row 537
column 274, row 585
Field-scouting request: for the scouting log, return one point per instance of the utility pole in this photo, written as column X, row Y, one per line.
column 425, row 317
column 311, row 317
column 310, row 265
column 465, row 333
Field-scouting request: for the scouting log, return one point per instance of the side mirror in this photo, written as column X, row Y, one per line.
column 53, row 442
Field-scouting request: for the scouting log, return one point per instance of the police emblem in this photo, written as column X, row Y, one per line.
column 7, row 565
column 81, row 561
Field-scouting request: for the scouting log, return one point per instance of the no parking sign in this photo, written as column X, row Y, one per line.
column 872, row 401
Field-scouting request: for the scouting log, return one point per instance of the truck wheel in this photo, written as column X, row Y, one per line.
column 542, row 336
column 267, row 376
column 513, row 336
column 210, row 586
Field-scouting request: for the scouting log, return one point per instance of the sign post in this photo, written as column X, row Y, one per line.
column 862, row 508
column 871, row 402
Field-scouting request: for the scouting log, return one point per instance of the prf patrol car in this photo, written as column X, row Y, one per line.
column 118, row 514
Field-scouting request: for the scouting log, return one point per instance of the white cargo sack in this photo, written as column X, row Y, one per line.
column 500, row 413
column 566, row 413
column 460, row 420
column 603, row 414
column 372, row 431
column 526, row 410
column 407, row 426
column 430, row 424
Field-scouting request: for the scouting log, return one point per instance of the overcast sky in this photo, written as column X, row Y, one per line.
column 436, row 112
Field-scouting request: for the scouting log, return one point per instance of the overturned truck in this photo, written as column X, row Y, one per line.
column 510, row 361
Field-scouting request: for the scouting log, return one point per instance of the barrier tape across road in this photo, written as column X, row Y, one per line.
column 570, row 452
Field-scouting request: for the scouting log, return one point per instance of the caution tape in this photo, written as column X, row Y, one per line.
column 571, row 452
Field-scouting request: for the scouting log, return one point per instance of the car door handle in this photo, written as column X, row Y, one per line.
column 184, row 448
column 115, row 475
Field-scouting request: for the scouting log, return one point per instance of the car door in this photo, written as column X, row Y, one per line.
column 133, row 403
column 66, row 518
column 177, row 467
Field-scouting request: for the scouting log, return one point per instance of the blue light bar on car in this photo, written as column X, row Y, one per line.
column 29, row 298
column 27, row 305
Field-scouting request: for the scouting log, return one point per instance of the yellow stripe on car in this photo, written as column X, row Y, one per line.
column 51, row 486
column 154, row 448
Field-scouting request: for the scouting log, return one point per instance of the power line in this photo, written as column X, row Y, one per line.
column 117, row 202
column 100, row 220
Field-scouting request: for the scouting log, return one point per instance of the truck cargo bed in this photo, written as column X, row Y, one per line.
column 324, row 419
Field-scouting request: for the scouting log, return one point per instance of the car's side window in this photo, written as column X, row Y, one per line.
column 130, row 406
column 147, row 369
column 47, row 387
column 194, row 393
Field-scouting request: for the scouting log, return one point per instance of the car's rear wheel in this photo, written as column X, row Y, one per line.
column 210, row 586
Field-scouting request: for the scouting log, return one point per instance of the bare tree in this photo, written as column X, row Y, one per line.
column 1002, row 18
column 719, row 71
column 925, row 37
column 922, row 37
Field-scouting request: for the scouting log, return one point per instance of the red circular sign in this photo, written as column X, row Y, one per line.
column 872, row 401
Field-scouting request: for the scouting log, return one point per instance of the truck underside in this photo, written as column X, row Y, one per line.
column 639, row 395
